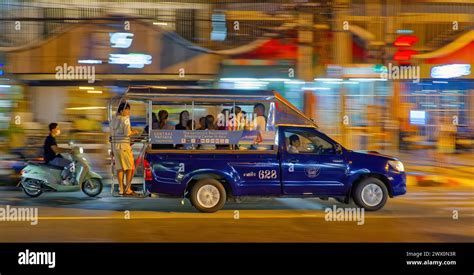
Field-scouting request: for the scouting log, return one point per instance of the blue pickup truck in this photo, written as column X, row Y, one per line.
column 276, row 151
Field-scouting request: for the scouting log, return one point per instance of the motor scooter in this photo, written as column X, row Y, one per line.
column 37, row 178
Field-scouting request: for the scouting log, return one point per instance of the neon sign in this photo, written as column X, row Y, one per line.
column 451, row 70
column 121, row 39
column 133, row 60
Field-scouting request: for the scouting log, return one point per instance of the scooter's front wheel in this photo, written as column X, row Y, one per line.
column 92, row 187
column 32, row 188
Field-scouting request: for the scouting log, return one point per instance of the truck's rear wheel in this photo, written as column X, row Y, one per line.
column 208, row 195
column 370, row 194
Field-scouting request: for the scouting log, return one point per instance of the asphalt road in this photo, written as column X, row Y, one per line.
column 423, row 215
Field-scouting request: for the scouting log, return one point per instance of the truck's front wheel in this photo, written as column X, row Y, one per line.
column 370, row 194
column 208, row 195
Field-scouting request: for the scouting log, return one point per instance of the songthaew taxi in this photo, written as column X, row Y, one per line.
column 209, row 145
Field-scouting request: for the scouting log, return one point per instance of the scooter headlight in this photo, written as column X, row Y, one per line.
column 81, row 150
column 396, row 165
column 24, row 171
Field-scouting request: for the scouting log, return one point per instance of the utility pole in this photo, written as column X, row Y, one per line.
column 304, row 68
column 342, row 56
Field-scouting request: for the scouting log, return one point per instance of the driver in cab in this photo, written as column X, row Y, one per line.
column 294, row 144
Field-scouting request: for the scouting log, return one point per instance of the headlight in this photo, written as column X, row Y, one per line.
column 396, row 165
column 81, row 150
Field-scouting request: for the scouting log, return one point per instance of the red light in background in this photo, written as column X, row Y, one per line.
column 405, row 41
column 403, row 55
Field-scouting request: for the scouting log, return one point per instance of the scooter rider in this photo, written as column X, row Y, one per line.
column 52, row 153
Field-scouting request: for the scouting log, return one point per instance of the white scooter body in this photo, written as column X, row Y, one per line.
column 37, row 178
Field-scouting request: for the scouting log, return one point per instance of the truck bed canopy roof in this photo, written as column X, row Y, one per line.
column 286, row 112
column 164, row 93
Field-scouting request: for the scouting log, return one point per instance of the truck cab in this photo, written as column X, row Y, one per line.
column 321, row 168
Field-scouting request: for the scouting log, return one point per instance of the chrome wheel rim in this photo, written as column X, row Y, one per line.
column 208, row 196
column 372, row 194
column 32, row 187
column 91, row 187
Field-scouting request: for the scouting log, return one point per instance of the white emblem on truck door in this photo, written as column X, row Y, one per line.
column 312, row 171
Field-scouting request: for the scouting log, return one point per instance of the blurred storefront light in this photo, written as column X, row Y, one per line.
column 219, row 28
column 246, row 79
column 274, row 79
column 417, row 117
column 367, row 79
column 87, row 108
column 451, row 71
column 89, row 61
column 121, row 40
column 296, row 82
column 328, row 79
column 315, row 88
column 133, row 60
column 404, row 31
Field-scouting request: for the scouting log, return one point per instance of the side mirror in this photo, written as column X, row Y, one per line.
column 338, row 149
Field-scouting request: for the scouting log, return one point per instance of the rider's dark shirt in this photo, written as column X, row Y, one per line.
column 49, row 154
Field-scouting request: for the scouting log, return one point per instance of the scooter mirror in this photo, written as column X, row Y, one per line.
column 71, row 143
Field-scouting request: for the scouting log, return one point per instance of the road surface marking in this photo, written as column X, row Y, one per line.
column 243, row 215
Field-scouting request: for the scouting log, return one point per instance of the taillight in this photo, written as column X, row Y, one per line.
column 147, row 168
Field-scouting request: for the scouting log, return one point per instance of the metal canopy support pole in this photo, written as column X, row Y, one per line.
column 112, row 165
column 150, row 117
column 192, row 117
column 148, row 141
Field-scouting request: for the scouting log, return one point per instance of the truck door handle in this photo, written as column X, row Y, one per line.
column 294, row 161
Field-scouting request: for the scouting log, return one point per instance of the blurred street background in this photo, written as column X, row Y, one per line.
column 392, row 76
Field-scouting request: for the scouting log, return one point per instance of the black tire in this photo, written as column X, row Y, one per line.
column 96, row 191
column 369, row 183
column 31, row 193
column 198, row 204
